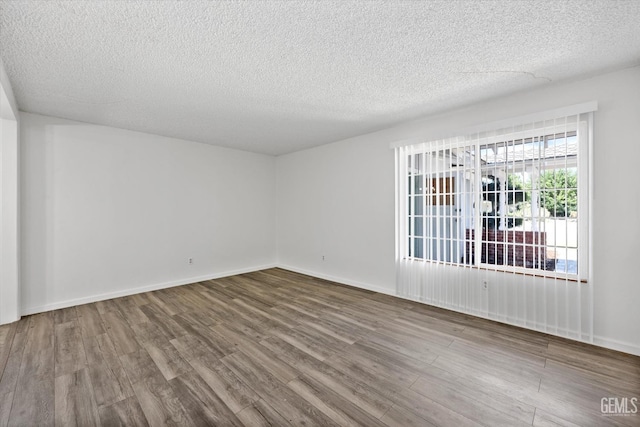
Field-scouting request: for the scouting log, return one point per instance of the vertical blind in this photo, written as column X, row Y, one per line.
column 496, row 223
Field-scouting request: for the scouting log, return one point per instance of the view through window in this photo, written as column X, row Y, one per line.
column 519, row 190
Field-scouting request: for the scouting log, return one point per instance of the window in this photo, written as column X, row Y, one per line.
column 511, row 199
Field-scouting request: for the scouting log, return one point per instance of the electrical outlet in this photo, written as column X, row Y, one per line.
column 190, row 260
column 323, row 257
column 485, row 284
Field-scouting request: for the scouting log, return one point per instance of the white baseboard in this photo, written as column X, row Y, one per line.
column 598, row 340
column 611, row 344
column 131, row 291
column 340, row 280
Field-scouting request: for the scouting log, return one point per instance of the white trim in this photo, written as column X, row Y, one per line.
column 339, row 280
column 571, row 110
column 591, row 203
column 9, row 220
column 598, row 341
column 10, row 206
column 617, row 345
column 138, row 290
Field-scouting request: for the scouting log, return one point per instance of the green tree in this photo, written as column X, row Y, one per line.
column 559, row 192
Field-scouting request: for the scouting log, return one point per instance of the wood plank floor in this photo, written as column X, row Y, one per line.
column 279, row 348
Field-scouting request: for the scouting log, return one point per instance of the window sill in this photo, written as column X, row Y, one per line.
column 509, row 269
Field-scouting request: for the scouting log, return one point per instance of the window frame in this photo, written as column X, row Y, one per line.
column 584, row 167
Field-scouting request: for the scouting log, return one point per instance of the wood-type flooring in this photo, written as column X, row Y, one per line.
column 279, row 348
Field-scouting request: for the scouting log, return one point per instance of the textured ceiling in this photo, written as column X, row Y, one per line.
column 279, row 76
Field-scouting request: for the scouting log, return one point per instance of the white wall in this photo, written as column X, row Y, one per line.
column 338, row 200
column 9, row 209
column 108, row 212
